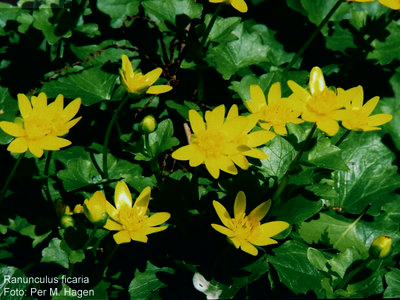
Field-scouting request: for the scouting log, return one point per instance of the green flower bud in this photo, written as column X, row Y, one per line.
column 381, row 246
column 67, row 221
column 148, row 124
column 95, row 209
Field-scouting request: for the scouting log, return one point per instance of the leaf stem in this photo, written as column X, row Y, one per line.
column 209, row 27
column 293, row 164
column 349, row 276
column 153, row 160
column 107, row 136
column 342, row 138
column 312, row 37
column 10, row 177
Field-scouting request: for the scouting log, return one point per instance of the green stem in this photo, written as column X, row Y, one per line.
column 209, row 27
column 90, row 237
column 10, row 177
column 107, row 137
column 293, row 164
column 342, row 138
column 349, row 276
column 312, row 37
column 46, row 173
column 153, row 160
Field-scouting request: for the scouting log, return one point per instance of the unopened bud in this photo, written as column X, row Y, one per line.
column 95, row 209
column 381, row 246
column 148, row 124
column 67, row 221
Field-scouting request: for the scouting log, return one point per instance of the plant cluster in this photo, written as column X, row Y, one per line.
column 194, row 150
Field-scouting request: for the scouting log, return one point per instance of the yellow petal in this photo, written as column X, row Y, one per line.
column 185, row 152
column 215, row 118
column 393, row 4
column 299, row 92
column 122, row 237
column 127, row 66
column 274, row 94
column 260, row 239
column 57, row 105
column 223, row 214
column 369, row 107
column 217, row 1
column 12, row 129
column 260, row 211
column 54, row 143
column 256, row 153
column 379, row 119
column 19, row 145
column 226, row 165
column 239, row 207
column 212, row 166
column 317, row 81
column 122, row 195
column 139, row 236
column 222, row 229
column 241, row 161
column 257, row 98
column 158, row 218
column 197, row 159
column 151, row 230
column 24, row 105
column 35, row 148
column 330, row 127
column 72, row 109
column 260, row 137
column 196, row 122
column 152, row 76
column 142, row 202
column 249, row 248
column 112, row 225
column 158, row 89
column 239, row 5
column 271, row 229
column 233, row 112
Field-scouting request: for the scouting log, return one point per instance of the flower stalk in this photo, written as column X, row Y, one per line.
column 10, row 177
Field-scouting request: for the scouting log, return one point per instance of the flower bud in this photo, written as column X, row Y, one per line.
column 148, row 124
column 67, row 221
column 381, row 246
column 95, row 209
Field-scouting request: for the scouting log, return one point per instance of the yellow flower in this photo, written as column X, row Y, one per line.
column 133, row 223
column 320, row 104
column 276, row 113
column 95, row 209
column 137, row 83
column 356, row 116
column 393, row 4
column 239, row 5
column 220, row 144
column 41, row 124
column 246, row 232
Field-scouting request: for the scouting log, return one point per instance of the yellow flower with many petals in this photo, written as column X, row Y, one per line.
column 356, row 116
column 276, row 113
column 239, row 5
column 220, row 143
column 320, row 104
column 246, row 232
column 95, row 209
column 137, row 83
column 41, row 124
column 133, row 222
column 393, row 4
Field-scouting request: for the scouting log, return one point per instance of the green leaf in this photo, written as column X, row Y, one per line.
column 183, row 110
column 393, row 284
column 341, row 261
column 281, row 154
column 325, row 155
column 145, row 284
column 165, row 11
column 386, row 51
column 12, row 280
column 317, row 259
column 291, row 263
column 221, row 31
column 79, row 173
column 22, row 226
column 230, row 57
column 54, row 254
column 92, row 85
column 76, row 256
column 371, row 177
column 317, row 9
column 8, row 110
column 162, row 139
column 118, row 10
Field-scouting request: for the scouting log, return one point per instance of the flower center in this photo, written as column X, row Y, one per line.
column 275, row 114
column 323, row 103
column 131, row 221
column 36, row 127
column 212, row 143
column 243, row 227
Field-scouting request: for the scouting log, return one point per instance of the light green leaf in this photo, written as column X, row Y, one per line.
column 341, row 261
column 393, row 281
column 92, row 85
column 145, row 284
column 165, row 11
column 79, row 173
column 162, row 139
column 8, row 275
column 325, row 155
column 54, row 254
column 317, row 259
column 118, row 10
column 386, row 51
column 291, row 263
column 22, row 226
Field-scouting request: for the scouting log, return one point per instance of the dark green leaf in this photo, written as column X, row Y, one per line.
column 325, row 155
column 162, row 139
column 393, row 281
column 386, row 51
column 12, row 280
column 79, row 173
